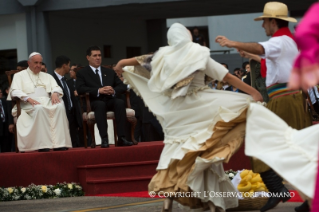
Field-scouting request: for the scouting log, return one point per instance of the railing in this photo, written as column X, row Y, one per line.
column 224, row 51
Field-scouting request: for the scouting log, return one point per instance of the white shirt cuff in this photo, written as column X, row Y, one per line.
column 25, row 98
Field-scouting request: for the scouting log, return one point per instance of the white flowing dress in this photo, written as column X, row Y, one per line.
column 190, row 123
column 291, row 153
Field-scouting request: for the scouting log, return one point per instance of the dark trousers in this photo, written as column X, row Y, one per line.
column 100, row 107
column 80, row 136
column 138, row 132
column 316, row 107
column 5, row 143
column 73, row 127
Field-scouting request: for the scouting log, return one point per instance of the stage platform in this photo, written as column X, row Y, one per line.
column 99, row 170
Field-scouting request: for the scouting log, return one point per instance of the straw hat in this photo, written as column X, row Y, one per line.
column 276, row 10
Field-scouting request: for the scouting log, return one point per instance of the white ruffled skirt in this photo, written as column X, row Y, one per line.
column 202, row 130
column 293, row 154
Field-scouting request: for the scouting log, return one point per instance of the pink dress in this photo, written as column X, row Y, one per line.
column 305, row 73
column 306, row 67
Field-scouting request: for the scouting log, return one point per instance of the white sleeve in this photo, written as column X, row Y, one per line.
column 58, row 90
column 272, row 48
column 215, row 70
column 20, row 94
column 55, row 88
column 16, row 88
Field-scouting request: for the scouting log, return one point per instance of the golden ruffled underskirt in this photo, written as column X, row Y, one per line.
column 224, row 142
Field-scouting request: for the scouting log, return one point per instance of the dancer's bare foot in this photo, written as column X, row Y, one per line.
column 212, row 207
column 220, row 210
column 167, row 205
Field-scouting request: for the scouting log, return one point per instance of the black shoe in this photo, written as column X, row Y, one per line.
column 44, row 150
column 304, row 207
column 61, row 149
column 272, row 202
column 105, row 143
column 123, row 142
column 275, row 186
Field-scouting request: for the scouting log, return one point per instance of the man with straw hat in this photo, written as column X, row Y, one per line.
column 276, row 57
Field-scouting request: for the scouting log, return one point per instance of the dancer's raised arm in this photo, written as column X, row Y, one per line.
column 231, row 79
column 125, row 62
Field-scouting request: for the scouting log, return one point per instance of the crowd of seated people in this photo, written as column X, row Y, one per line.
column 242, row 73
column 44, row 96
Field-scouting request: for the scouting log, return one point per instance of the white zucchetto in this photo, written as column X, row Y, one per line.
column 33, row 54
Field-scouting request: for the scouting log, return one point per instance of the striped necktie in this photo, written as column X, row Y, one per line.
column 1, row 112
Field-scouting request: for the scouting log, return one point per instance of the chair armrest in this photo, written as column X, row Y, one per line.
column 81, row 103
column 128, row 102
column 88, row 104
column 17, row 101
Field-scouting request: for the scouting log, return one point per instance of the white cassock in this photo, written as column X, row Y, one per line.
column 44, row 125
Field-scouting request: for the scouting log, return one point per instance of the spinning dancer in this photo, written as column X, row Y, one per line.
column 203, row 127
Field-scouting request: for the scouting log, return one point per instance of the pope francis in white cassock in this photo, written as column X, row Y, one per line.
column 43, row 124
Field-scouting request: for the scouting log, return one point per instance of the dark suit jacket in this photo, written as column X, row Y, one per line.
column 4, row 130
column 76, row 104
column 9, row 106
column 229, row 88
column 71, row 83
column 88, row 82
column 71, row 88
column 247, row 80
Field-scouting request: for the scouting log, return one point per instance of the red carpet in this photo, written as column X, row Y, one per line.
column 99, row 171
column 296, row 198
column 144, row 194
column 22, row 169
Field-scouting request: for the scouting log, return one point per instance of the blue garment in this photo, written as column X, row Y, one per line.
column 231, row 89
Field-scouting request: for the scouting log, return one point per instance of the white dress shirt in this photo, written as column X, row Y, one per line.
column 280, row 53
column 100, row 74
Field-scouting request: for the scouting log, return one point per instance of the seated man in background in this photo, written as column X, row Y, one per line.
column 198, row 38
column 103, row 85
column 44, row 68
column 247, row 78
column 23, row 64
column 78, row 113
column 42, row 124
column 62, row 64
column 237, row 72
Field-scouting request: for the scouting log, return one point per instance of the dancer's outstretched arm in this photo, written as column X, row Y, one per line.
column 249, row 56
column 231, row 79
column 253, row 48
column 125, row 62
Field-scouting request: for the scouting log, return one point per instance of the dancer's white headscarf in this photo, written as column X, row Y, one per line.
column 177, row 61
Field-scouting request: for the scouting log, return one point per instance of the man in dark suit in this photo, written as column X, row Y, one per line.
column 102, row 84
column 77, row 106
column 5, row 142
column 62, row 64
column 10, row 119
